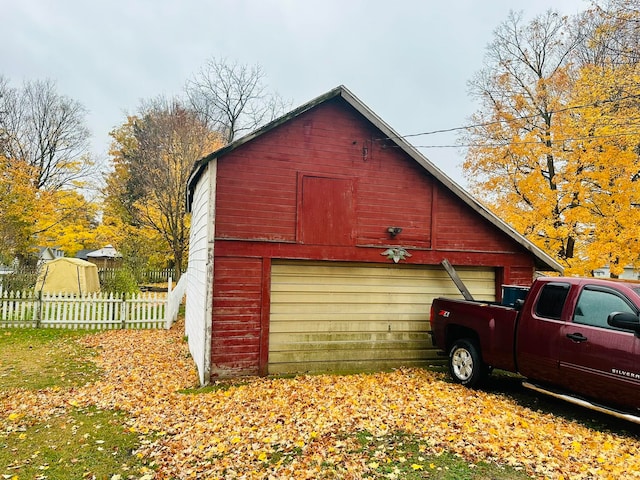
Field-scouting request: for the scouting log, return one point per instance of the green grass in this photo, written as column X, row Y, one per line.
column 74, row 444
column 405, row 457
column 83, row 443
column 39, row 358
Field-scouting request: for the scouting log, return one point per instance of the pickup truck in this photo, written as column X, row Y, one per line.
column 574, row 338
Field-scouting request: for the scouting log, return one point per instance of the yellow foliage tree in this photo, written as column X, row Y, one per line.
column 514, row 161
column 32, row 217
column 44, row 166
column 20, row 209
column 68, row 222
column 604, row 152
column 141, row 245
column 554, row 149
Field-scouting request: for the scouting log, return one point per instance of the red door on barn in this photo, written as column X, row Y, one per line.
column 326, row 211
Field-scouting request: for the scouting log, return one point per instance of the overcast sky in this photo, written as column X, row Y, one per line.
column 409, row 61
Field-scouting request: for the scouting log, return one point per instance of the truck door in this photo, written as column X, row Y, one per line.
column 596, row 359
column 538, row 332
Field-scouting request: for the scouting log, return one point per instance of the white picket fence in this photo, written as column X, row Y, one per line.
column 90, row 311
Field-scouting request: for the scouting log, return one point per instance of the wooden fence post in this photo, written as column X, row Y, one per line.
column 38, row 308
column 167, row 306
column 123, row 311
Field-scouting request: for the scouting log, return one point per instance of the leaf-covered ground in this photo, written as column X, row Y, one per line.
column 308, row 426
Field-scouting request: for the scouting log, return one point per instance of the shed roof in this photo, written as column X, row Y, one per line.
column 543, row 261
column 105, row 252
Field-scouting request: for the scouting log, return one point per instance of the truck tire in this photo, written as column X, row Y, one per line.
column 465, row 363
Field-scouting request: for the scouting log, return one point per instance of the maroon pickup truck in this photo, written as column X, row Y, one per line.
column 574, row 338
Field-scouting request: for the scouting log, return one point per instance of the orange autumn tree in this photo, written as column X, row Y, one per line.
column 153, row 154
column 604, row 151
column 515, row 161
column 141, row 245
column 553, row 148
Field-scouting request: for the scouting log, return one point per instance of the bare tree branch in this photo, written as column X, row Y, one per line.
column 233, row 98
column 46, row 130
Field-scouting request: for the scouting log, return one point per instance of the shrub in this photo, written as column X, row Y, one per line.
column 121, row 280
column 18, row 281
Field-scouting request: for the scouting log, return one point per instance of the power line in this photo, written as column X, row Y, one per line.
column 515, row 119
column 532, row 142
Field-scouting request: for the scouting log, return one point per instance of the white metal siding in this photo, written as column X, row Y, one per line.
column 199, row 272
column 350, row 317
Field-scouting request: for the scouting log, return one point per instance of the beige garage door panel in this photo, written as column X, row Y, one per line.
column 350, row 317
column 342, row 357
column 320, row 324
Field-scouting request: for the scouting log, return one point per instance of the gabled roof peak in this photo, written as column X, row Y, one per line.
column 543, row 260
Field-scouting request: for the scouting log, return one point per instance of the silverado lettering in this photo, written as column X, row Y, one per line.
column 626, row 374
column 567, row 337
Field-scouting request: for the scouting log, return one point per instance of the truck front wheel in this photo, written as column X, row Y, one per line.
column 465, row 363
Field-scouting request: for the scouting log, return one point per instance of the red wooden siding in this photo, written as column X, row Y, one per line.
column 397, row 193
column 460, row 228
column 237, row 307
column 257, row 183
column 326, row 186
column 521, row 275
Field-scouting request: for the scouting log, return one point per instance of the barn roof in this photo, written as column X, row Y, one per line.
column 543, row 261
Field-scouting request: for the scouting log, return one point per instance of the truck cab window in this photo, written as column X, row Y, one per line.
column 594, row 306
column 551, row 300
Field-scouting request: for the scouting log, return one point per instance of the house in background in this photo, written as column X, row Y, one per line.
column 47, row 254
column 44, row 256
column 316, row 246
column 629, row 273
column 82, row 254
column 5, row 270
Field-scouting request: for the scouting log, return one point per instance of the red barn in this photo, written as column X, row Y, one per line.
column 317, row 241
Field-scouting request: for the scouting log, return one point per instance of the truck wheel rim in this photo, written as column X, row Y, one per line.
column 462, row 363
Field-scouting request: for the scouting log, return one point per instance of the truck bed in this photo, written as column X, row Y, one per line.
column 492, row 325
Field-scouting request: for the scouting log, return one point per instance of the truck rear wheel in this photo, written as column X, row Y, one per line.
column 465, row 363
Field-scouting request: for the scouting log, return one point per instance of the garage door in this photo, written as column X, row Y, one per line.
column 353, row 317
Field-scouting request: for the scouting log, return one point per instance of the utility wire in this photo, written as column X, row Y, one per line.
column 532, row 142
column 515, row 119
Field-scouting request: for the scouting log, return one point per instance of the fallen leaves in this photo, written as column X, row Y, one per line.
column 306, row 427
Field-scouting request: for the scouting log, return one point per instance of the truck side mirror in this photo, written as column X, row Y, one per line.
column 628, row 321
column 518, row 304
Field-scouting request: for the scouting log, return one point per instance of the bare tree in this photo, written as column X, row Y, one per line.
column 620, row 30
column 233, row 98
column 47, row 131
column 4, row 87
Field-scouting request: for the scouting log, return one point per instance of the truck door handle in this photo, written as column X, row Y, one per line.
column 577, row 337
